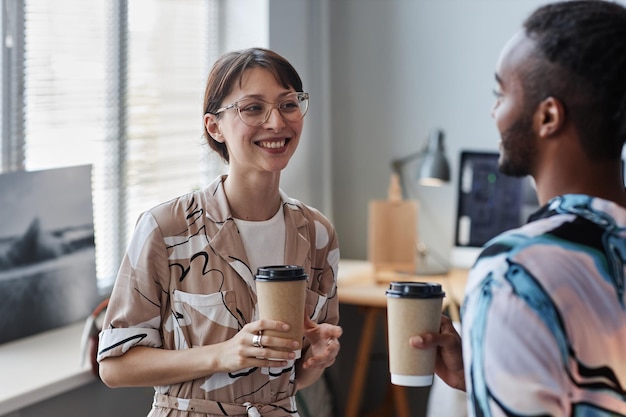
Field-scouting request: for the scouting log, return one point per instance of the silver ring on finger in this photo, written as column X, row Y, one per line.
column 256, row 340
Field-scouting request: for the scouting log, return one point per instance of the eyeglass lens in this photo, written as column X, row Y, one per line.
column 255, row 112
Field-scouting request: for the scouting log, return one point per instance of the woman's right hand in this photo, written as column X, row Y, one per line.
column 449, row 362
column 145, row 366
column 252, row 348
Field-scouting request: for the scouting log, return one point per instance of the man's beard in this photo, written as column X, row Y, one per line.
column 518, row 148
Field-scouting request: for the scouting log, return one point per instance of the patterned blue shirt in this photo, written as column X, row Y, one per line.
column 544, row 318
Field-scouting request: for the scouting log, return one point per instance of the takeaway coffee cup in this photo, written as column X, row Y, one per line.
column 412, row 308
column 281, row 292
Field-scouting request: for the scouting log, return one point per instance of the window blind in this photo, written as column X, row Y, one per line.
column 119, row 85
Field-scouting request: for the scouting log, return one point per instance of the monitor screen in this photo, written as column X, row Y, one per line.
column 488, row 202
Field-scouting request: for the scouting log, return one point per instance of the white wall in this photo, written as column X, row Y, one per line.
column 398, row 69
column 382, row 74
column 245, row 24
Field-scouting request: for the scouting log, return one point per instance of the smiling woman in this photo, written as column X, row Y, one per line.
column 191, row 327
column 115, row 87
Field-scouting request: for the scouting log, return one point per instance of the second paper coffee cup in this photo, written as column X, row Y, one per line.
column 281, row 294
column 412, row 308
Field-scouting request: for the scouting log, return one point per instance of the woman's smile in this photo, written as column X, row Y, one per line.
column 273, row 143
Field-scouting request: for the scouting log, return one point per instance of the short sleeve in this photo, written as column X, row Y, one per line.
column 134, row 314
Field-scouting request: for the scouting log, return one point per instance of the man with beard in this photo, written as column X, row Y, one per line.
column 544, row 318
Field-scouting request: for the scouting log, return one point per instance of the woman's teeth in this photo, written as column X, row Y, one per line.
column 273, row 145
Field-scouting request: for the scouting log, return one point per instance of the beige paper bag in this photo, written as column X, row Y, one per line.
column 392, row 235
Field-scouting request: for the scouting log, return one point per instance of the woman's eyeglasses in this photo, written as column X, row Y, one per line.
column 255, row 112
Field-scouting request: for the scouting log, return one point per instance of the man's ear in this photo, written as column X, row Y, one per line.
column 549, row 117
column 212, row 127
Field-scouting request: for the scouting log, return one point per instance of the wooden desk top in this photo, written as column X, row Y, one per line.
column 358, row 284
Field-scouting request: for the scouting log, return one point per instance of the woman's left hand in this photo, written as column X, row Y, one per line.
column 324, row 340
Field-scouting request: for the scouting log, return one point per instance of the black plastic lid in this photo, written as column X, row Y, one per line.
column 280, row 273
column 412, row 289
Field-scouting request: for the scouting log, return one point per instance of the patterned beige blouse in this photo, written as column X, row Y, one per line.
column 184, row 283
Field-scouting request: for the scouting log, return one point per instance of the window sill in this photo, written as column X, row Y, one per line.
column 41, row 366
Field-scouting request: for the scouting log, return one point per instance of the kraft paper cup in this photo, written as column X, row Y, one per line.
column 281, row 293
column 412, row 308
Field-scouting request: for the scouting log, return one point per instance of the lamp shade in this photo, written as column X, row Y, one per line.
column 434, row 168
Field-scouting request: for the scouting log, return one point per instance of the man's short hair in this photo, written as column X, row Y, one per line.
column 581, row 61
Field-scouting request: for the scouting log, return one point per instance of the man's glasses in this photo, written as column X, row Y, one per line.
column 255, row 112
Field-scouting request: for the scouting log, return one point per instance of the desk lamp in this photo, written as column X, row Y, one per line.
column 433, row 170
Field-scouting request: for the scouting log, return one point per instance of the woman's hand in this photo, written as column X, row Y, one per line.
column 146, row 366
column 449, row 362
column 324, row 340
column 252, row 348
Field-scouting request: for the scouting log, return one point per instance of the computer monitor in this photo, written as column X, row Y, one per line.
column 488, row 203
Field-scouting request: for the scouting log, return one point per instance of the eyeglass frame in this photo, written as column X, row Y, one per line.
column 299, row 94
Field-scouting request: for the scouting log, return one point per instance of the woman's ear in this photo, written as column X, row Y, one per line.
column 549, row 117
column 212, row 127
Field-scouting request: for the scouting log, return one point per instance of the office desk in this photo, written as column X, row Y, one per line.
column 358, row 284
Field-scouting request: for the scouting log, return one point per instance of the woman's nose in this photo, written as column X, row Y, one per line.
column 275, row 121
